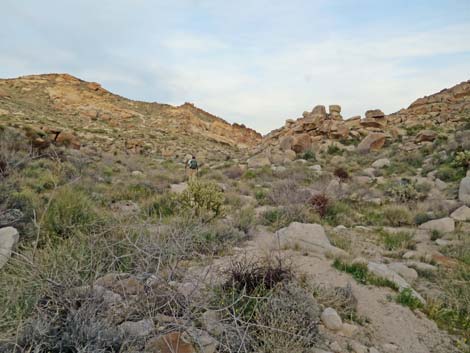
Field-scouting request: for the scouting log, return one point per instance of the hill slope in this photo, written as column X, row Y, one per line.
column 60, row 102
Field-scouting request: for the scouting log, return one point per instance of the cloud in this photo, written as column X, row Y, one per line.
column 254, row 62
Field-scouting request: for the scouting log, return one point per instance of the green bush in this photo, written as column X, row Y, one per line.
column 448, row 173
column 203, row 199
column 397, row 216
column 407, row 298
column 397, row 241
column 161, row 206
column 334, row 150
column 309, row 155
column 69, row 211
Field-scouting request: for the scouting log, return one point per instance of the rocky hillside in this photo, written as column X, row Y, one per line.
column 319, row 129
column 67, row 110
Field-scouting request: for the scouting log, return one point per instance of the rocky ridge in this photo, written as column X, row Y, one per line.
column 319, row 129
column 62, row 109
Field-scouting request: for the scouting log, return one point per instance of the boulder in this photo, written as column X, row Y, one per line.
column 381, row 163
column 258, row 161
column 409, row 274
column 331, row 319
column 373, row 141
column 426, row 136
column 461, row 214
column 67, row 139
column 309, row 237
column 443, row 225
column 382, row 270
column 301, row 143
column 464, row 190
column 9, row 237
column 140, row 328
column 319, row 111
column 285, row 143
column 374, row 113
column 289, row 156
column 334, row 108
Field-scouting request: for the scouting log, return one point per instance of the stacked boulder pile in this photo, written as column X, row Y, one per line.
column 318, row 129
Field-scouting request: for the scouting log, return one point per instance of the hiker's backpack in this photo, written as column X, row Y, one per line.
column 193, row 164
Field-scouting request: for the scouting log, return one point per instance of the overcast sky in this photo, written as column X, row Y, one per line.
column 256, row 62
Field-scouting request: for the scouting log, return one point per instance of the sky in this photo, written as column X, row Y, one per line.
column 256, row 62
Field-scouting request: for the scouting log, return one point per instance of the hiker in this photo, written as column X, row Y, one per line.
column 192, row 168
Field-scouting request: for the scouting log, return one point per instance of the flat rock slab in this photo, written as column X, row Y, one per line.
column 308, row 237
column 9, row 237
column 461, row 214
column 443, row 225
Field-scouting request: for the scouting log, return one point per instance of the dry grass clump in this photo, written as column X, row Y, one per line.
column 286, row 192
column 340, row 298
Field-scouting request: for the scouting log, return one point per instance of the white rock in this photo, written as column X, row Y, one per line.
column 316, row 167
column 140, row 328
column 381, row 163
column 443, row 225
column 258, row 161
column 331, row 319
column 309, row 237
column 373, row 350
column 461, row 214
column 443, row 242
column 335, row 347
column 137, row 173
column 464, row 190
column 9, row 237
column 358, row 348
column 348, row 330
column 409, row 274
column 381, row 270
column 441, row 185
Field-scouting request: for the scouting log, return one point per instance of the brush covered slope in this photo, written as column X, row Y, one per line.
column 334, row 249
column 87, row 114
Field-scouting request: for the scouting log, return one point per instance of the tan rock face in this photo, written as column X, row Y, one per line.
column 372, row 142
column 301, row 143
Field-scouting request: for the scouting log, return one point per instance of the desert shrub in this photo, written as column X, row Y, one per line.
column 161, row 206
column 397, row 241
column 448, row 173
column 341, row 212
column 402, row 191
column 341, row 299
column 244, row 219
column 309, row 155
column 71, row 323
column 341, row 173
column 283, row 216
column 70, row 211
column 261, row 196
column 462, row 160
column 396, row 216
column 421, row 218
column 286, row 192
column 265, row 309
column 407, row 298
column 202, row 199
column 319, row 203
column 334, row 150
